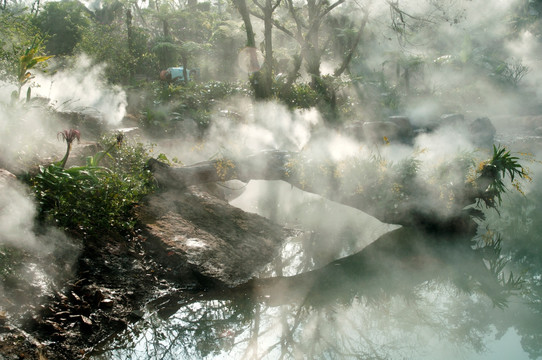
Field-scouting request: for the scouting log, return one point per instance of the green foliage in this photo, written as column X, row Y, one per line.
column 20, row 47
column 299, row 95
column 192, row 100
column 444, row 189
column 64, row 22
column 374, row 179
column 27, row 62
column 10, row 257
column 189, row 49
column 323, row 93
column 95, row 198
column 493, row 172
column 220, row 56
column 510, row 73
column 190, row 37
column 16, row 34
column 109, row 11
column 109, row 44
column 166, row 52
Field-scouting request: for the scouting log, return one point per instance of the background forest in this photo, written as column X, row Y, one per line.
column 350, row 60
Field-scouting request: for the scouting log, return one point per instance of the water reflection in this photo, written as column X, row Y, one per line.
column 407, row 295
column 348, row 286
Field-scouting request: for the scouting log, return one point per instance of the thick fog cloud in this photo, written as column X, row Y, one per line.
column 456, row 46
column 17, row 213
column 245, row 128
column 28, row 133
column 18, row 228
column 527, row 49
column 82, row 87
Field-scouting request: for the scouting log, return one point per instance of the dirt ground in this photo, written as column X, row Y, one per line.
column 113, row 279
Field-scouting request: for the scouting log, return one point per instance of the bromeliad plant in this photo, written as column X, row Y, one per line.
column 27, row 62
column 94, row 199
column 490, row 183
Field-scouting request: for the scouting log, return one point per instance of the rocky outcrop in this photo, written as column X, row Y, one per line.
column 406, row 130
column 450, row 120
column 482, row 132
column 396, row 128
column 205, row 240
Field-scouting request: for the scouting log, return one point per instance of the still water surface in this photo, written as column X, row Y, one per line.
column 424, row 301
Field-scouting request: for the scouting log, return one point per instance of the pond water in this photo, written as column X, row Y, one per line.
column 435, row 302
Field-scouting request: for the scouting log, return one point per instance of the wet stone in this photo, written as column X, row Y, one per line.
column 204, row 239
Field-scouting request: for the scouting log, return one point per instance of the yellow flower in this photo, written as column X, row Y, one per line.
column 222, row 167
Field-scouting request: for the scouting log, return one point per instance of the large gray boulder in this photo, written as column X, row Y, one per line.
column 395, row 129
column 482, row 132
column 406, row 130
column 204, row 240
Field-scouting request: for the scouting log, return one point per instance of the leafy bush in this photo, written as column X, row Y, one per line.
column 63, row 21
column 299, row 96
column 109, row 44
column 95, row 198
column 9, row 258
column 443, row 189
column 187, row 101
column 16, row 34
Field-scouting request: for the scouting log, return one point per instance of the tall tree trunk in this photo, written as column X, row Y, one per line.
column 130, row 39
column 184, row 60
column 312, row 49
column 267, row 70
column 348, row 58
column 257, row 79
column 245, row 15
column 312, row 55
column 165, row 29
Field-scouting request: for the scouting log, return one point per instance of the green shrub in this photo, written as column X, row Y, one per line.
column 9, row 258
column 299, row 96
column 108, row 44
column 98, row 197
column 180, row 101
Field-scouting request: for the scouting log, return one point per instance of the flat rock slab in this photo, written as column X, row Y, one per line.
column 6, row 177
column 203, row 237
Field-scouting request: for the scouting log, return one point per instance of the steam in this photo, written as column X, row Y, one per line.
column 29, row 130
column 29, row 137
column 17, row 223
column 265, row 126
column 26, row 134
column 19, row 231
column 527, row 50
column 82, row 87
column 243, row 128
column 17, row 213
